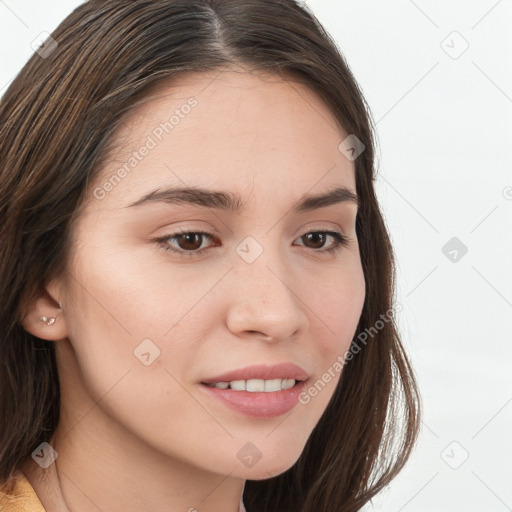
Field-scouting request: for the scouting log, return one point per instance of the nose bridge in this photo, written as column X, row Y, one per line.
column 260, row 265
column 265, row 299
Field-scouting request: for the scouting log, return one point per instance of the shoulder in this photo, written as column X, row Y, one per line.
column 17, row 495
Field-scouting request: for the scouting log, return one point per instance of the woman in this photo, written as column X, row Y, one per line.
column 197, row 280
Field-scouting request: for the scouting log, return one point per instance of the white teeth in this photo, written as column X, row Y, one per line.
column 237, row 385
column 288, row 383
column 256, row 385
column 273, row 385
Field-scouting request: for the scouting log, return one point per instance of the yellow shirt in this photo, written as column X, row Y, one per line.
column 17, row 495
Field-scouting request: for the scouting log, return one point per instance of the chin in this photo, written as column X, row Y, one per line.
column 265, row 472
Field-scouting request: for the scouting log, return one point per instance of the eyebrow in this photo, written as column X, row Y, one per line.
column 231, row 202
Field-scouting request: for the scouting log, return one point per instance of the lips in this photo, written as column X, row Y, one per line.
column 263, row 372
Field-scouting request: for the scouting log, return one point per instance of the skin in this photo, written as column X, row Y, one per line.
column 133, row 437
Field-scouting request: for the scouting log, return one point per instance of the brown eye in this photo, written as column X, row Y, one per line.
column 188, row 242
column 318, row 238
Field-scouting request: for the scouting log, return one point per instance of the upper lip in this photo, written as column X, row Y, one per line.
column 262, row 371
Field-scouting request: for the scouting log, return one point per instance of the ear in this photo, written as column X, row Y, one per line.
column 45, row 317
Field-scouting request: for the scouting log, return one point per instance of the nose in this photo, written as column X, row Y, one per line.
column 265, row 302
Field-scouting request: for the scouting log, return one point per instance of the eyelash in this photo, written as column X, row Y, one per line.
column 341, row 241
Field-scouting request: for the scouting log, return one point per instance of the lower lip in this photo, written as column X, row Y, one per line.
column 258, row 404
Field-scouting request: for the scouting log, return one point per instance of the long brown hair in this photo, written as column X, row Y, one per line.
column 57, row 119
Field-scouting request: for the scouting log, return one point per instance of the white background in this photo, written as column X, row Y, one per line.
column 444, row 130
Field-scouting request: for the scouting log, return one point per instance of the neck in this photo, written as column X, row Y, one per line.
column 103, row 468
column 72, row 484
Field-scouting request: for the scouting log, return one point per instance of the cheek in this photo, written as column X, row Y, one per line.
column 105, row 319
column 338, row 312
column 338, row 308
column 125, row 292
column 125, row 306
column 104, row 334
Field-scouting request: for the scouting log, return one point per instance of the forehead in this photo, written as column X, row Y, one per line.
column 232, row 130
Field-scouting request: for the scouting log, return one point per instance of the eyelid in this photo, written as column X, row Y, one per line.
column 311, row 226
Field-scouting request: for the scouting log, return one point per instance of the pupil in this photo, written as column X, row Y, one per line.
column 318, row 236
column 192, row 236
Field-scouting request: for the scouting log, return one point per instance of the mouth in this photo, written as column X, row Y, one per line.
column 260, row 391
column 256, row 398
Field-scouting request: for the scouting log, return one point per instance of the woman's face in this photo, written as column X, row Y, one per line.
column 146, row 326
